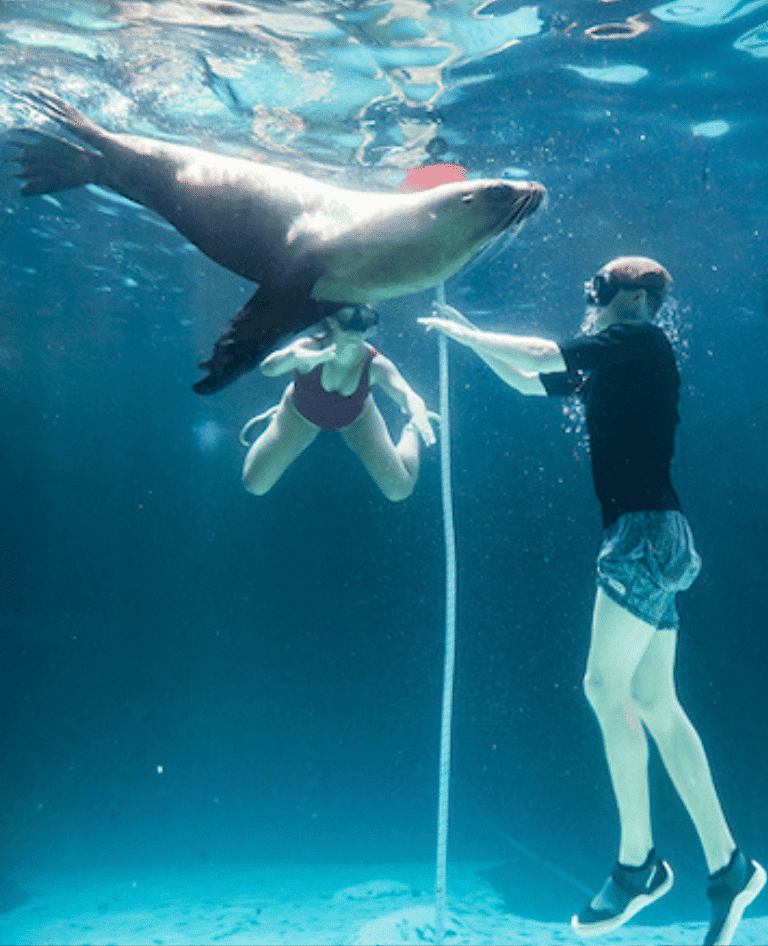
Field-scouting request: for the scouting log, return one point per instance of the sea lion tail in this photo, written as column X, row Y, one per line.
column 52, row 164
column 67, row 116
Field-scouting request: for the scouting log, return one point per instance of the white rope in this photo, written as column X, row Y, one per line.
column 450, row 640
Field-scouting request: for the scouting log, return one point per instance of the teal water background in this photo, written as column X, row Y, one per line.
column 190, row 674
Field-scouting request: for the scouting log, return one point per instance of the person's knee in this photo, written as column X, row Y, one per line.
column 257, row 485
column 256, row 489
column 604, row 690
column 648, row 698
column 594, row 687
column 658, row 706
column 396, row 492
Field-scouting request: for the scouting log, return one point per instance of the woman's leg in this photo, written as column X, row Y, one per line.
column 680, row 747
column 269, row 456
column 394, row 469
column 619, row 641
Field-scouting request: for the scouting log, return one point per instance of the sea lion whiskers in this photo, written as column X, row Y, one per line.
column 500, row 242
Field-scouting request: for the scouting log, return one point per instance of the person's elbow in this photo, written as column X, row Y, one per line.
column 254, row 481
column 548, row 359
column 529, row 384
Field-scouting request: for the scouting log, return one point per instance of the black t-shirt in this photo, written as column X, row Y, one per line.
column 629, row 382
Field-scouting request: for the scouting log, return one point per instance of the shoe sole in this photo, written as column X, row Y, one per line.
column 639, row 903
column 740, row 903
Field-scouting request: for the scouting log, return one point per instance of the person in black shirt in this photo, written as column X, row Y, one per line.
column 624, row 370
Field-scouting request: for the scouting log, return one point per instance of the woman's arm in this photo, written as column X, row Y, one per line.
column 386, row 375
column 303, row 354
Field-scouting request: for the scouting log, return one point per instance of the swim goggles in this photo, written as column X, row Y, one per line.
column 600, row 289
column 356, row 318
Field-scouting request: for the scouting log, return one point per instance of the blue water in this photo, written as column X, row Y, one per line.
column 191, row 674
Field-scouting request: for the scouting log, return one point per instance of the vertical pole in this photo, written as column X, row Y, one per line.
column 444, row 782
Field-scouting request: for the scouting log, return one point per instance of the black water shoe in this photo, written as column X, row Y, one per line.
column 626, row 892
column 730, row 892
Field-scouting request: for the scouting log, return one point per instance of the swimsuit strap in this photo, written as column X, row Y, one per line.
column 249, row 425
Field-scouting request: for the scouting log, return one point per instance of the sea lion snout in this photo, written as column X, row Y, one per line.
column 532, row 193
column 510, row 202
column 501, row 192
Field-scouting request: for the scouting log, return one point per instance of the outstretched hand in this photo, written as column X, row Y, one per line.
column 458, row 332
column 441, row 310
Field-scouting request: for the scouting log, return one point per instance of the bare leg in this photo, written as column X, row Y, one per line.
column 394, row 469
column 680, row 747
column 619, row 641
column 623, row 649
column 269, row 456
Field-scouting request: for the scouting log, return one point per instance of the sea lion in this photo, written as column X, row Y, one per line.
column 310, row 246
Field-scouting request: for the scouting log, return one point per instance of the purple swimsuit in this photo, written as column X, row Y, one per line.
column 329, row 409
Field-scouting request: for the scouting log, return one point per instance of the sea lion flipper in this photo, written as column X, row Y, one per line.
column 52, row 164
column 66, row 115
column 268, row 318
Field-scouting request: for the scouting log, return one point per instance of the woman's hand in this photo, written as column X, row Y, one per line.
column 309, row 358
column 301, row 355
column 420, row 418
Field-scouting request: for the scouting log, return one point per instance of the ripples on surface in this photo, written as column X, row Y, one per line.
column 367, row 85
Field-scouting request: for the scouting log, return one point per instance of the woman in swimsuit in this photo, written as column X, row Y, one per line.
column 333, row 376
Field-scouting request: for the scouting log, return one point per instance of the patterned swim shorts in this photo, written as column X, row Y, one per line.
column 645, row 558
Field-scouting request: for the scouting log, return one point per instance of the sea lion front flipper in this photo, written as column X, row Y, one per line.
column 270, row 316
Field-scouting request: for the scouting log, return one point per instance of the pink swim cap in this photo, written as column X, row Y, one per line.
column 432, row 175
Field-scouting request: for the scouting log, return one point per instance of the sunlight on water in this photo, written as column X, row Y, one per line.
column 624, row 75
column 704, row 13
